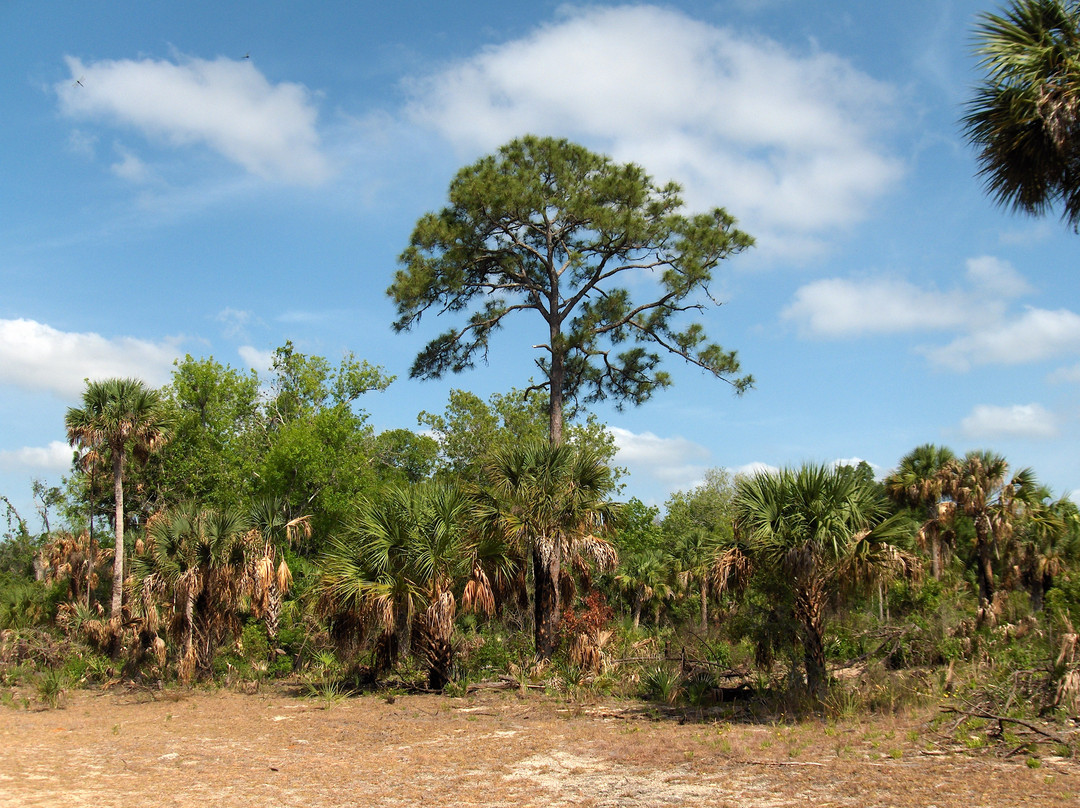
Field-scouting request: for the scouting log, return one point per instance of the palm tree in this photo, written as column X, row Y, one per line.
column 919, row 484
column 398, row 564
column 118, row 417
column 273, row 577
column 979, row 486
column 1024, row 117
column 1045, row 539
column 198, row 565
column 645, row 578
column 813, row 531
column 550, row 500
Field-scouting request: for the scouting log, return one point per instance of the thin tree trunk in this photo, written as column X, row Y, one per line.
column 546, row 568
column 118, row 557
column 704, row 607
column 935, row 553
column 984, row 568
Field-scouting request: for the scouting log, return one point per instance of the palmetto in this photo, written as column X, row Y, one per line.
column 812, row 532
column 400, row 563
column 1024, row 117
column 550, row 501
column 980, row 487
column 197, row 567
column 919, row 483
column 118, row 417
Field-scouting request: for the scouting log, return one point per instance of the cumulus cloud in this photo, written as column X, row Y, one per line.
column 54, row 457
column 35, row 356
column 224, row 104
column 1036, row 335
column 673, row 463
column 757, row 467
column 978, row 310
column 260, row 361
column 787, row 142
column 836, row 307
column 1066, row 374
column 1017, row 421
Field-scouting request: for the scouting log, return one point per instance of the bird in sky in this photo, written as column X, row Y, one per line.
column 78, row 81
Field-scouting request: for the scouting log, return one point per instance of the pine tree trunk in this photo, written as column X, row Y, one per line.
column 546, row 568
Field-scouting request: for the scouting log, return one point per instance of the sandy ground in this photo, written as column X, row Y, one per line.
column 495, row 749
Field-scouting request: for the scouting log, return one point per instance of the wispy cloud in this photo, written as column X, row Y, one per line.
column 37, row 357
column 227, row 105
column 987, row 421
column 790, row 143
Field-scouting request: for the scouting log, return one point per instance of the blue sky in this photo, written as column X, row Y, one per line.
column 181, row 198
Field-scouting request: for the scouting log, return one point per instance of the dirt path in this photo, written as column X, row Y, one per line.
column 223, row 748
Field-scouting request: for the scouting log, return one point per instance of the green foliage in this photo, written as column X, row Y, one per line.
column 1022, row 119
column 546, row 226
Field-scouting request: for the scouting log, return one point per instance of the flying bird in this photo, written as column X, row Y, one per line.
column 247, row 55
column 79, row 81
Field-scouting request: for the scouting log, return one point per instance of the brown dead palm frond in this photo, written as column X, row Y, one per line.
column 730, row 571
column 478, row 596
column 601, row 551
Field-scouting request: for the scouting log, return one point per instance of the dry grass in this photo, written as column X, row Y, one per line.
column 495, row 749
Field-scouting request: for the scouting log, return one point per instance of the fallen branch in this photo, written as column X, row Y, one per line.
column 1003, row 718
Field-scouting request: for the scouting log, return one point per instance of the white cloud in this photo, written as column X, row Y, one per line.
column 1036, row 335
column 673, row 463
column 234, row 321
column 130, row 167
column 1020, row 420
column 35, row 356
column 1067, row 374
column 227, row 105
column 996, row 278
column 757, row 467
column 260, row 361
column 54, row 457
column 789, row 143
column 835, row 307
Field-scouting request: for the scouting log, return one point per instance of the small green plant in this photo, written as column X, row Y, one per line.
column 1033, row 763
column 662, row 683
column 51, row 687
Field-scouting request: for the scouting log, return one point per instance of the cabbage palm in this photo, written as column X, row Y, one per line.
column 813, row 532
column 918, row 483
column 272, row 577
column 118, row 417
column 198, row 565
column 551, row 501
column 1025, row 117
column 980, row 487
column 645, row 578
column 398, row 563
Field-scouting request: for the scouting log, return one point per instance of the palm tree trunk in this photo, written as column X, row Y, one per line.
column 704, row 607
column 984, row 564
column 118, row 556
column 546, row 568
column 935, row 553
column 809, row 612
